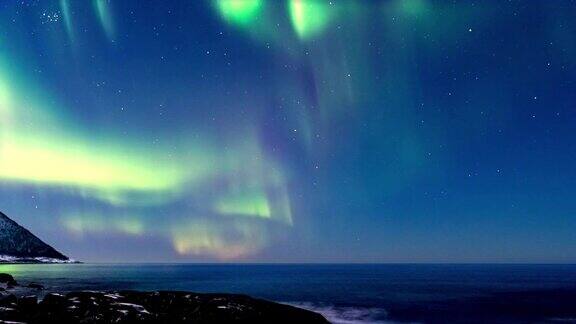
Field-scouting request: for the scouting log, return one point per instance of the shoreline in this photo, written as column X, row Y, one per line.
column 19, row 303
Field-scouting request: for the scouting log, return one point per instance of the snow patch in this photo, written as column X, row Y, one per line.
column 14, row 259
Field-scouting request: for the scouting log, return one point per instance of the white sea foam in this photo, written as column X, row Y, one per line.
column 346, row 315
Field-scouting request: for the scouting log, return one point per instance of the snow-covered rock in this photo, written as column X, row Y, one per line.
column 18, row 245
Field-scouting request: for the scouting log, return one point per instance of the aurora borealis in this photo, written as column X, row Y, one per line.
column 291, row 131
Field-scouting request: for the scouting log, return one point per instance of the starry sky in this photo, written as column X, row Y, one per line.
column 291, row 131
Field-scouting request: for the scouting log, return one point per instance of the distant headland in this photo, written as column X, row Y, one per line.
column 19, row 245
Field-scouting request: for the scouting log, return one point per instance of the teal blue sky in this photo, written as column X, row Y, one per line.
column 291, row 131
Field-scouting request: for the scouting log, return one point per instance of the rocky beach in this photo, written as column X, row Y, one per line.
column 33, row 303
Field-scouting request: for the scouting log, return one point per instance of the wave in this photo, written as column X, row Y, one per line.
column 345, row 315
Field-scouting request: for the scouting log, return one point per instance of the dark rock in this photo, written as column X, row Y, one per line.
column 36, row 286
column 53, row 299
column 27, row 304
column 8, row 300
column 9, row 315
column 5, row 278
column 152, row 307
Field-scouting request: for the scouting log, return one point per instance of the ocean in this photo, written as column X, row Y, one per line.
column 348, row 293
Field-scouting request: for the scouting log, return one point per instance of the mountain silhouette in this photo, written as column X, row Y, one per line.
column 17, row 244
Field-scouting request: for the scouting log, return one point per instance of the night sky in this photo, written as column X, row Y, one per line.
column 291, row 131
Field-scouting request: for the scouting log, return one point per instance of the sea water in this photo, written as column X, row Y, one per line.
column 347, row 293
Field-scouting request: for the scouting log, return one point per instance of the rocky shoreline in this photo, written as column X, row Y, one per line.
column 19, row 303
